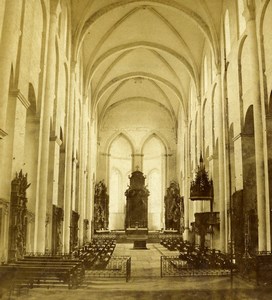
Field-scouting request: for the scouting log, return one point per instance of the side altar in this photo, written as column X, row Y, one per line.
column 136, row 223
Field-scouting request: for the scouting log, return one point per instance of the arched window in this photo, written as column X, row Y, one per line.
column 227, row 33
column 115, row 190
column 241, row 19
column 153, row 167
column 119, row 166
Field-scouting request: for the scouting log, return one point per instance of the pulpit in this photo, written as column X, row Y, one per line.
column 136, row 223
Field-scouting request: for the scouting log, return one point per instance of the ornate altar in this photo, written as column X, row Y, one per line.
column 174, row 208
column 57, row 222
column 101, row 206
column 18, row 217
column 74, row 231
column 137, row 202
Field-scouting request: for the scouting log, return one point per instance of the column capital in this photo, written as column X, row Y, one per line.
column 55, row 139
column 241, row 135
column 137, row 154
column 105, row 154
column 75, row 160
column 17, row 94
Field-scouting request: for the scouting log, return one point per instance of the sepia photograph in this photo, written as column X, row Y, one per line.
column 135, row 149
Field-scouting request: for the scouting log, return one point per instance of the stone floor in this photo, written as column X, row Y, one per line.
column 146, row 283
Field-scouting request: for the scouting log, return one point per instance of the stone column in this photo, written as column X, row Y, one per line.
column 68, row 162
column 46, row 112
column 8, row 49
column 221, row 181
column 82, row 172
column 187, row 178
column 199, row 130
column 137, row 162
column 53, row 171
column 253, row 64
column 199, row 204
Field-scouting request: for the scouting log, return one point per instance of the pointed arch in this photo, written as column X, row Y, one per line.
column 158, row 136
column 115, row 137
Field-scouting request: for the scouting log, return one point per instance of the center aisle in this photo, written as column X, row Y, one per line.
column 144, row 263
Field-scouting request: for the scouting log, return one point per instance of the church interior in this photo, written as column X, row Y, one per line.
column 141, row 125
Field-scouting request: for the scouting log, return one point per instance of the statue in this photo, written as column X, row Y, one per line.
column 174, row 208
column 101, row 206
column 18, row 216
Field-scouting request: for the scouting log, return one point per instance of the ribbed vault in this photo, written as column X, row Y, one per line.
column 148, row 51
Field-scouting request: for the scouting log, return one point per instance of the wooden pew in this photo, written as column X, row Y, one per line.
column 78, row 266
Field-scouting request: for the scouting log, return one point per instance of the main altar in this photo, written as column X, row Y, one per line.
column 136, row 223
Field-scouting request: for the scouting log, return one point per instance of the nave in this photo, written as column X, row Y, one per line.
column 135, row 119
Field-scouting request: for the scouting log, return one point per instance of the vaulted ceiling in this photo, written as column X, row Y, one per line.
column 148, row 50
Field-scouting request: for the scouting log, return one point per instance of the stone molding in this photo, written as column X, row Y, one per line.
column 2, row 134
column 21, row 97
column 241, row 135
column 56, row 139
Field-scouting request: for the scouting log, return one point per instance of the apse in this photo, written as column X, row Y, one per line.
column 119, row 168
column 154, row 169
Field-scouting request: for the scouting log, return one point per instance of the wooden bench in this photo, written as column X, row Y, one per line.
column 78, row 268
column 76, row 264
column 36, row 274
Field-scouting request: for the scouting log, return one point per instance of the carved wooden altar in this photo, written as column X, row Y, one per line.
column 57, row 222
column 74, row 230
column 174, row 208
column 137, row 202
column 101, row 206
column 18, row 217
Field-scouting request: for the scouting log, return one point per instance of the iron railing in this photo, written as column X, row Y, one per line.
column 174, row 266
column 118, row 267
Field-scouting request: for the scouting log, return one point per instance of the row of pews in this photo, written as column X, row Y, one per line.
column 196, row 257
column 55, row 270
column 96, row 254
column 47, row 271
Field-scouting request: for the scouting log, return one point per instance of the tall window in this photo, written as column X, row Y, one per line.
column 119, row 166
column 154, row 168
